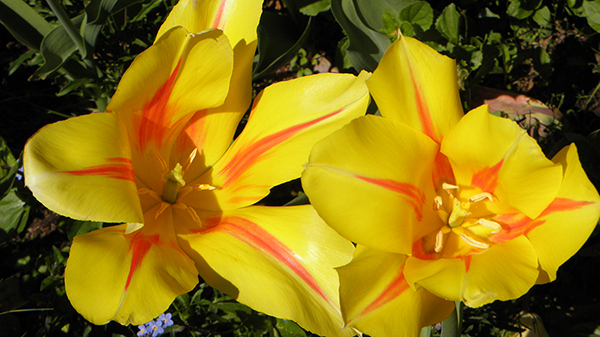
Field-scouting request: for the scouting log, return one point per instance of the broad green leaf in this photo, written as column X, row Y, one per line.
column 592, row 13
column 14, row 212
column 8, row 168
column 365, row 46
column 371, row 11
column 543, row 17
column 315, row 7
column 287, row 328
column 96, row 13
column 448, row 24
column 278, row 42
column 419, row 13
column 27, row 26
column 78, row 227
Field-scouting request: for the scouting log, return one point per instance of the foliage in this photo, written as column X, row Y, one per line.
column 539, row 48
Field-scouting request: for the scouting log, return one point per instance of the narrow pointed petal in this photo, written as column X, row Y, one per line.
column 571, row 217
column 81, row 168
column 128, row 278
column 497, row 156
column 271, row 151
column 416, row 85
column 378, row 172
column 237, row 19
column 377, row 300
column 276, row 260
column 169, row 82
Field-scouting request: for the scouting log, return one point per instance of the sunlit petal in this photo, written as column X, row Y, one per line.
column 416, row 85
column 370, row 181
column 82, row 168
column 571, row 217
column 129, row 278
column 497, row 156
column 276, row 260
column 271, row 151
column 377, row 300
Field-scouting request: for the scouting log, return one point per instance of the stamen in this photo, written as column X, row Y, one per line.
column 449, row 187
column 161, row 209
column 437, row 203
column 439, row 241
column 163, row 163
column 190, row 159
column 195, row 216
column 204, row 187
column 471, row 242
column 481, row 196
column 150, row 192
column 494, row 226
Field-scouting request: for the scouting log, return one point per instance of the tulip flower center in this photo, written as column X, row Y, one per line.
column 174, row 180
column 465, row 218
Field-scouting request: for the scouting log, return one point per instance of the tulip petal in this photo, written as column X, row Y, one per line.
column 128, row 278
column 271, row 151
column 237, row 19
column 377, row 300
column 504, row 271
column 370, row 182
column 81, row 168
column 167, row 84
column 416, row 85
column 276, row 260
column 497, row 156
column 570, row 219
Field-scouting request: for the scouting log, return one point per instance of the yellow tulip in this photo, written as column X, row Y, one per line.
column 443, row 207
column 161, row 162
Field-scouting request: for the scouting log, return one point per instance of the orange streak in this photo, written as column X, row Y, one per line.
column 251, row 153
column 155, row 119
column 487, row 178
column 393, row 290
column 442, row 171
column 423, row 112
column 121, row 169
column 139, row 246
column 413, row 195
column 261, row 240
column 518, row 224
column 219, row 17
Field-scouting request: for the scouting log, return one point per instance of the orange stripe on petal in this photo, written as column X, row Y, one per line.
column 413, row 195
column 256, row 237
column 394, row 289
column 252, row 152
column 423, row 113
column 218, row 23
column 487, row 178
column 155, row 119
column 442, row 171
column 139, row 246
column 120, row 169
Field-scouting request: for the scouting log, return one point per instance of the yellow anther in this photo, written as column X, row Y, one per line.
column 494, row 226
column 437, row 203
column 204, row 187
column 190, row 159
column 471, row 242
column 481, row 196
column 439, row 241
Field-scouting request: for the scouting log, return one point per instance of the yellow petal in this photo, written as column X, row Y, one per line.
column 128, row 278
column 81, row 168
column 237, row 19
column 570, row 219
column 169, row 82
column 416, row 85
column 371, row 181
column 276, row 260
column 287, row 119
column 377, row 300
column 442, row 277
column 495, row 155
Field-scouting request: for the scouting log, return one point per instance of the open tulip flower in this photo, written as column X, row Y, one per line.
column 162, row 163
column 443, row 207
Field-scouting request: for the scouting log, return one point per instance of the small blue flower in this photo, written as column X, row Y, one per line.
column 155, row 328
column 165, row 319
column 143, row 330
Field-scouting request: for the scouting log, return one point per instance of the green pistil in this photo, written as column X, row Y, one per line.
column 174, row 181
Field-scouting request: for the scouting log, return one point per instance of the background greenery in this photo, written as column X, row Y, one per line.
column 546, row 51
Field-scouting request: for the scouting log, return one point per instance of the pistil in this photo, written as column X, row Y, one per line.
column 174, row 180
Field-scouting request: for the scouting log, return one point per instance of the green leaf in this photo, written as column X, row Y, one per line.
column 287, row 328
column 371, row 11
column 419, row 14
column 14, row 212
column 8, row 168
column 365, row 46
column 278, row 42
column 22, row 21
column 543, row 17
column 316, row 7
column 78, row 227
column 448, row 24
column 592, row 13
column 96, row 13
